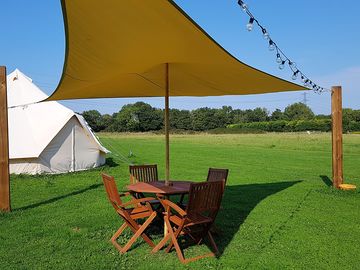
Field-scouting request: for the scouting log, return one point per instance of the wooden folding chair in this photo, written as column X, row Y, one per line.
column 143, row 173
column 217, row 174
column 140, row 209
column 213, row 175
column 195, row 221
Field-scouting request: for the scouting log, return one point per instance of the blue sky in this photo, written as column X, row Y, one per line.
column 321, row 36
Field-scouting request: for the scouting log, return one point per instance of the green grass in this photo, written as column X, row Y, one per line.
column 278, row 210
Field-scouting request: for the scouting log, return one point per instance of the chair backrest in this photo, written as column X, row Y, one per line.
column 143, row 173
column 217, row 175
column 111, row 190
column 205, row 198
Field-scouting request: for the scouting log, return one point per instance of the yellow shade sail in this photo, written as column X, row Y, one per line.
column 117, row 48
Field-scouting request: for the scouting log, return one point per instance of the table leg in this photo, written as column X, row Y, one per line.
column 161, row 197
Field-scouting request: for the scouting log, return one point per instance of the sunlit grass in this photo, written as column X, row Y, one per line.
column 278, row 210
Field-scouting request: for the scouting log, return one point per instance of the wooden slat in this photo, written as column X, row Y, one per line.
column 4, row 145
column 337, row 144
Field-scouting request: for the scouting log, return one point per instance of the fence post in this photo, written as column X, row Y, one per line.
column 337, row 141
column 4, row 145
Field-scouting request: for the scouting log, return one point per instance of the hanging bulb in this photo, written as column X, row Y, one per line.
column 294, row 76
column 306, row 83
column 302, row 78
column 292, row 65
column 266, row 35
column 282, row 65
column 271, row 45
column 250, row 25
column 243, row 5
column 278, row 58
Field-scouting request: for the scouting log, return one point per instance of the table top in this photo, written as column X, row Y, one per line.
column 158, row 187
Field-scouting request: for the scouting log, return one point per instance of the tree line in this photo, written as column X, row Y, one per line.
column 142, row 117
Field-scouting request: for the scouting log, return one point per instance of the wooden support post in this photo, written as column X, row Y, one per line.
column 167, row 148
column 337, row 144
column 4, row 145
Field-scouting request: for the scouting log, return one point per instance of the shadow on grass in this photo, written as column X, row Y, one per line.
column 326, row 180
column 52, row 200
column 237, row 204
column 111, row 163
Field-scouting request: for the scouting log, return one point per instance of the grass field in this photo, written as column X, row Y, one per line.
column 278, row 210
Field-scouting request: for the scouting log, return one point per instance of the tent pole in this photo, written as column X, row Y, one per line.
column 167, row 149
column 4, row 145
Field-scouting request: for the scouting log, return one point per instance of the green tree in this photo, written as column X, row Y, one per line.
column 298, row 111
column 94, row 119
column 224, row 116
column 203, row 119
column 137, row 117
column 257, row 115
column 106, row 121
column 179, row 119
column 239, row 116
column 277, row 115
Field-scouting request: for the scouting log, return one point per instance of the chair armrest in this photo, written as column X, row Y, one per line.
column 137, row 201
column 169, row 204
column 123, row 194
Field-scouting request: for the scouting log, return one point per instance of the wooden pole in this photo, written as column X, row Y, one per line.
column 4, row 145
column 167, row 148
column 337, row 144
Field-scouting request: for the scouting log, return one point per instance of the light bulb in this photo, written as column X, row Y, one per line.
column 306, row 83
column 250, row 25
column 302, row 78
column 294, row 76
column 292, row 65
column 271, row 45
column 278, row 58
column 282, row 65
column 266, row 36
column 244, row 6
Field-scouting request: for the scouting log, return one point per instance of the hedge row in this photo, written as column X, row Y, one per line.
column 293, row 126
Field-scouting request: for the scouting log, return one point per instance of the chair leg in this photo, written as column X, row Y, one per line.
column 116, row 236
column 161, row 243
column 177, row 232
column 213, row 244
column 139, row 232
column 175, row 243
column 135, row 227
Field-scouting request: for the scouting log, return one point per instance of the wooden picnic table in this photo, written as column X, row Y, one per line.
column 158, row 187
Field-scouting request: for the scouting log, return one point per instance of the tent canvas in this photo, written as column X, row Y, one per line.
column 47, row 136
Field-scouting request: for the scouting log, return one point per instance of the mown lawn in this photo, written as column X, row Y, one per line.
column 278, row 210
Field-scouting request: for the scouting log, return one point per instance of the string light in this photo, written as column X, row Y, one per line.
column 281, row 58
column 282, row 64
column 250, row 25
column 271, row 45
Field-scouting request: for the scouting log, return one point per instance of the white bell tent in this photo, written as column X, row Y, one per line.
column 47, row 137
